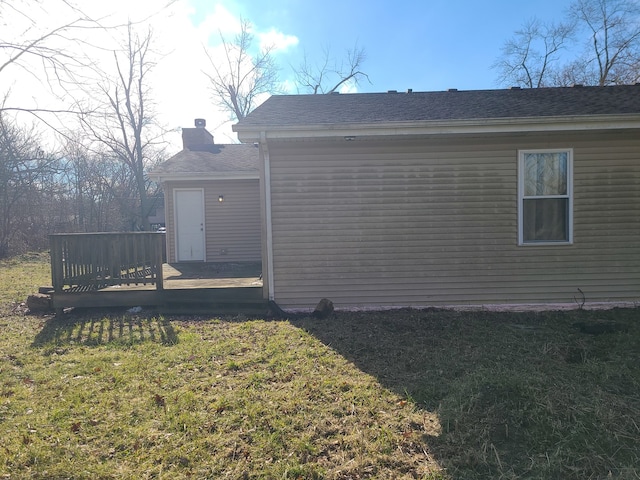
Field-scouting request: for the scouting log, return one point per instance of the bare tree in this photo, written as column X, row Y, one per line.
column 26, row 175
column 609, row 31
column 330, row 74
column 54, row 56
column 529, row 59
column 125, row 127
column 613, row 30
column 238, row 81
column 93, row 180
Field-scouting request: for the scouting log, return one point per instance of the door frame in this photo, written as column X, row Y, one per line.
column 175, row 221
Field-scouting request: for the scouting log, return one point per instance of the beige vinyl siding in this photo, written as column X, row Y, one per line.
column 406, row 222
column 169, row 212
column 232, row 227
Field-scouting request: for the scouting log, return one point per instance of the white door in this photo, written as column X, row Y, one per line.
column 189, row 220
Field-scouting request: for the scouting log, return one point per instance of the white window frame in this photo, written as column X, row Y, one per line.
column 522, row 197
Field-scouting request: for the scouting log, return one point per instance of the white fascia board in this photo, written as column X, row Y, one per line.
column 181, row 177
column 460, row 127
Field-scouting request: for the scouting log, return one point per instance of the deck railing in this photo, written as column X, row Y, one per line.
column 91, row 261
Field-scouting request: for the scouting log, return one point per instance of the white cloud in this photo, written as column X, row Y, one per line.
column 349, row 87
column 220, row 21
column 277, row 40
column 288, row 86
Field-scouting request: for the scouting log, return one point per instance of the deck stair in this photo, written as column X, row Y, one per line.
column 245, row 300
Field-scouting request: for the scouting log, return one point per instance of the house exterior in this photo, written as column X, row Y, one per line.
column 519, row 196
column 212, row 200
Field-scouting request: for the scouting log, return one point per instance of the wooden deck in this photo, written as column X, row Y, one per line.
column 187, row 288
column 178, row 276
column 125, row 269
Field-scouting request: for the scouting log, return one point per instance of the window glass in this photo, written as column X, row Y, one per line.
column 545, row 174
column 546, row 220
column 545, row 196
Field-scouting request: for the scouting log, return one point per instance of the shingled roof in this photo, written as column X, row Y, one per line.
column 211, row 161
column 372, row 108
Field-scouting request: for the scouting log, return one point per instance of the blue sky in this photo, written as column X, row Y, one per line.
column 424, row 45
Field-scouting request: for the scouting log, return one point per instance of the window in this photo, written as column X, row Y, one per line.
column 545, row 203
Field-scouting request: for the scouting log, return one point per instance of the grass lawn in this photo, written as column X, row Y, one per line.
column 422, row 394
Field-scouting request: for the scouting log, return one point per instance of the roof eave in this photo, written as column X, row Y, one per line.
column 252, row 133
column 161, row 177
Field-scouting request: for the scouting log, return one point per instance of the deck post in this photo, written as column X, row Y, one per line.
column 158, row 258
column 57, row 274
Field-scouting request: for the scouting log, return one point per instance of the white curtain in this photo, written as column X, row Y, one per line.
column 546, row 201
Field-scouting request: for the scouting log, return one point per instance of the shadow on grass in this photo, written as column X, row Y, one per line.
column 91, row 329
column 519, row 395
